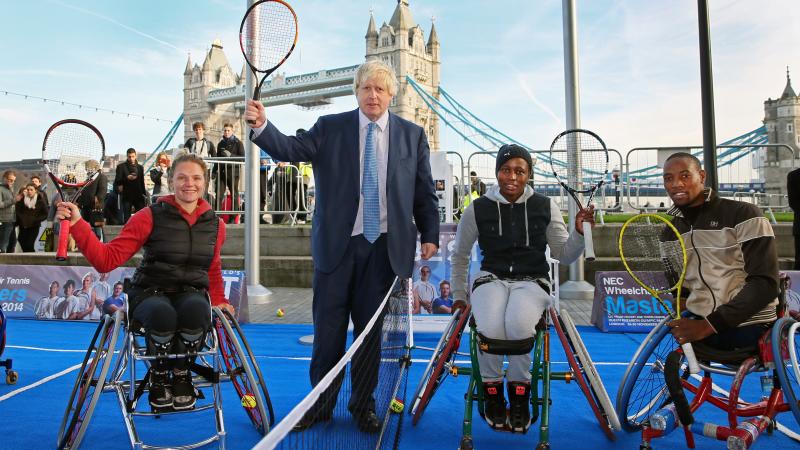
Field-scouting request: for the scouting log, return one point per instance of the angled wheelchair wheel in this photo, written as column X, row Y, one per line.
column 92, row 376
column 643, row 390
column 785, row 348
column 438, row 367
column 585, row 372
column 241, row 373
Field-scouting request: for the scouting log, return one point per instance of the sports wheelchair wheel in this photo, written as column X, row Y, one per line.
column 438, row 367
column 241, row 373
column 785, row 347
column 585, row 372
column 643, row 390
column 92, row 376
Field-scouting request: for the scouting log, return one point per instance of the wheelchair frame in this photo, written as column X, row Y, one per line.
column 221, row 359
column 760, row 415
column 581, row 369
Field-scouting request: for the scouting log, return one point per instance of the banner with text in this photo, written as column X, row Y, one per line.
column 621, row 305
column 80, row 293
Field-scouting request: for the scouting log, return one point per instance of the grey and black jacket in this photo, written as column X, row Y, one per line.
column 732, row 265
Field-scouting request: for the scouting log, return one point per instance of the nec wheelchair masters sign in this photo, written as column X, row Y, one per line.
column 621, row 305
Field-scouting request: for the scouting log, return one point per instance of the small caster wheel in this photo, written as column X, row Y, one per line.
column 466, row 443
column 543, row 446
column 11, row 377
column 645, row 447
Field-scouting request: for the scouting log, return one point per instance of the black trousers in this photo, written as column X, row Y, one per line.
column 168, row 315
column 27, row 237
column 353, row 290
column 796, row 252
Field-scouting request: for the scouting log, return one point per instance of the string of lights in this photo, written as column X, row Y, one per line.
column 88, row 107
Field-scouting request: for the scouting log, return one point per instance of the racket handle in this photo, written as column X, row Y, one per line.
column 587, row 240
column 63, row 238
column 691, row 359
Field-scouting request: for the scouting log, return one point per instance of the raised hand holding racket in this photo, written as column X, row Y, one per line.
column 267, row 36
column 654, row 254
column 67, row 146
column 584, row 171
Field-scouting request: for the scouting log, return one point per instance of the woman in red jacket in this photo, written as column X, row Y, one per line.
column 181, row 238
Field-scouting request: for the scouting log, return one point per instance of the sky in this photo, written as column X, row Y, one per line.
column 638, row 60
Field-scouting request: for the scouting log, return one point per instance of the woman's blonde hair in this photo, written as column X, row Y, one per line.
column 191, row 158
column 380, row 72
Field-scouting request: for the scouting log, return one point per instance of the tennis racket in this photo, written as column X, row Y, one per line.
column 267, row 36
column 654, row 254
column 586, row 150
column 67, row 146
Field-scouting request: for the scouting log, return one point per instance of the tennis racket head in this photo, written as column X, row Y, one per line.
column 654, row 254
column 268, row 34
column 579, row 148
column 68, row 145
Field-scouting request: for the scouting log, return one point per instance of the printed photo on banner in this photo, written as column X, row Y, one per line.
column 432, row 290
column 77, row 292
column 793, row 293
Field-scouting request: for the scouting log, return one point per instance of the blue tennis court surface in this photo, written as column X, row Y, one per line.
column 46, row 355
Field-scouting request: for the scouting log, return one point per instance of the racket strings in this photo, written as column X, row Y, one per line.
column 584, row 148
column 68, row 147
column 268, row 35
column 652, row 257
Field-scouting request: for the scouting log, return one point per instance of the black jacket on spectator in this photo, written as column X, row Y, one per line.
column 131, row 189
column 29, row 218
column 96, row 192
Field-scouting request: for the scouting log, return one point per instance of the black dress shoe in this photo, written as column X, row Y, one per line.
column 368, row 421
column 310, row 419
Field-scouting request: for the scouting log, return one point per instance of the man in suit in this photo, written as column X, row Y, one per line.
column 374, row 191
column 793, row 189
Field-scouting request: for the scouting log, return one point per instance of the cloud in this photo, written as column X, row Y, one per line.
column 42, row 72
column 15, row 116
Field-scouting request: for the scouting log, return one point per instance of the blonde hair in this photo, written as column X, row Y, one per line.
column 92, row 165
column 380, row 72
column 191, row 158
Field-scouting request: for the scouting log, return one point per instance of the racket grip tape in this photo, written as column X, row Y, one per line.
column 63, row 239
column 587, row 239
column 691, row 359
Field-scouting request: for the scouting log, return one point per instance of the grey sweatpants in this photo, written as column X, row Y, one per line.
column 505, row 309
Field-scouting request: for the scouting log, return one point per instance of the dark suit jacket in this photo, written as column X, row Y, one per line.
column 333, row 148
column 793, row 189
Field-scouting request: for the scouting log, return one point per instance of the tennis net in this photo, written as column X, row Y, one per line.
column 378, row 357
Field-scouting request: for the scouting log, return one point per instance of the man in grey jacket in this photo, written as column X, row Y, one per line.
column 7, row 212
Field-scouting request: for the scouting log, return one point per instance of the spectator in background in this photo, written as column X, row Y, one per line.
column 129, row 183
column 476, row 185
column 306, row 173
column 443, row 304
column 793, row 190
column 116, row 300
column 199, row 145
column 8, row 201
column 31, row 211
column 37, row 181
column 93, row 198
column 283, row 190
column 228, row 174
column 159, row 175
column 424, row 292
column 262, row 187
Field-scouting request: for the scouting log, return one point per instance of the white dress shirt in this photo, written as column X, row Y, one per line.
column 382, row 157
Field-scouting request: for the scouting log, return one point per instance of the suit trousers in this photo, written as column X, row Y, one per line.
column 354, row 289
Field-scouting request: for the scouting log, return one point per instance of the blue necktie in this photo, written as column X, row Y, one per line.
column 369, row 188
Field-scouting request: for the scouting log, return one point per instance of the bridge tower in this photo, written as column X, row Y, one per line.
column 401, row 44
column 782, row 118
column 215, row 73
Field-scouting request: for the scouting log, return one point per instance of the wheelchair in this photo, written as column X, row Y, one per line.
column 646, row 403
column 11, row 375
column 581, row 369
column 224, row 356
